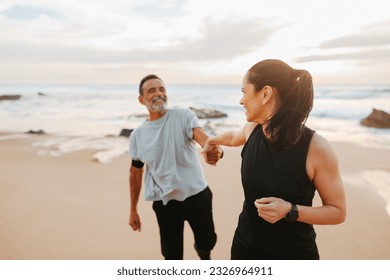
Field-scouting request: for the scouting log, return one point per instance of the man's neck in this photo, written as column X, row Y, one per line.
column 156, row 115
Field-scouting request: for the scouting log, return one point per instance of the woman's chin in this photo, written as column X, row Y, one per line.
column 248, row 119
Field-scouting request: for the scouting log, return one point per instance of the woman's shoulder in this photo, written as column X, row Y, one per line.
column 321, row 151
column 319, row 142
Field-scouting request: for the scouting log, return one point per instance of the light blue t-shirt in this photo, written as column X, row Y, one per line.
column 166, row 146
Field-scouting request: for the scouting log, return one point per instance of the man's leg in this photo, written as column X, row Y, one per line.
column 198, row 212
column 171, row 226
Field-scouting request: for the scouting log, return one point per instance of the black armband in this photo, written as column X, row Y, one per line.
column 137, row 163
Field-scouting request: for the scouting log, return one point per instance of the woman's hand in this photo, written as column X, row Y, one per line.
column 272, row 209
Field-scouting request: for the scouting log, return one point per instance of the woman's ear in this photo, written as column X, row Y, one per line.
column 267, row 94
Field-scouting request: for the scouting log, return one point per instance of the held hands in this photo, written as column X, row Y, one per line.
column 212, row 153
column 272, row 209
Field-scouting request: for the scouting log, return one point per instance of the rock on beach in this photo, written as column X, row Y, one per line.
column 11, row 97
column 377, row 119
column 208, row 113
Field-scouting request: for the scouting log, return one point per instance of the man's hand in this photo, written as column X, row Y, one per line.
column 212, row 153
column 135, row 221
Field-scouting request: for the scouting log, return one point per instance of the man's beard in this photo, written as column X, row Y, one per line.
column 157, row 106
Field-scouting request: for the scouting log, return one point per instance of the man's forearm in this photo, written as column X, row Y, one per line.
column 135, row 184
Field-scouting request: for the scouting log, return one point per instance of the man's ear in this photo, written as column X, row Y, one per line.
column 141, row 99
column 267, row 94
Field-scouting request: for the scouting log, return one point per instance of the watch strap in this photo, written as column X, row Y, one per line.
column 292, row 216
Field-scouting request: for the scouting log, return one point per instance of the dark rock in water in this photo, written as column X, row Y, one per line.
column 141, row 115
column 126, row 132
column 377, row 118
column 208, row 114
column 200, row 113
column 41, row 94
column 36, row 132
column 10, row 97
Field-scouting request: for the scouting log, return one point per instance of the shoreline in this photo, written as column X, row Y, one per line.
column 72, row 207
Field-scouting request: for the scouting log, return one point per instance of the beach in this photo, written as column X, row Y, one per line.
column 71, row 206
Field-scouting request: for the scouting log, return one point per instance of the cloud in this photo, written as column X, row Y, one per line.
column 209, row 38
column 369, row 46
column 376, row 55
column 18, row 12
column 371, row 36
column 160, row 10
column 219, row 40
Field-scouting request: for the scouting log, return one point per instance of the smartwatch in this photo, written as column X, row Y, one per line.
column 292, row 216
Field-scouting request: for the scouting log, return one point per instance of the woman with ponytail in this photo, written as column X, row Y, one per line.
column 283, row 164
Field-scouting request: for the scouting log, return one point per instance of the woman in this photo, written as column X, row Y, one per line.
column 283, row 164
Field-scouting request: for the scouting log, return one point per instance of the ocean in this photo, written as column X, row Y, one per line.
column 92, row 117
column 83, row 116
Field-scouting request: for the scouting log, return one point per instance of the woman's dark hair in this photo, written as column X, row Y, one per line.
column 294, row 90
column 146, row 78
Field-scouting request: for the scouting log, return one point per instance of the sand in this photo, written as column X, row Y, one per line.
column 72, row 207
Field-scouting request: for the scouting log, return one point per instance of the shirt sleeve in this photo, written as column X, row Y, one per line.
column 192, row 122
column 134, row 152
column 138, row 163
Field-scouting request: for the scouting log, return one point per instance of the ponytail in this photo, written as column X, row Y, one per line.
column 295, row 93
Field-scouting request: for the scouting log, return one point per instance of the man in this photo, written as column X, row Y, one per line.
column 174, row 180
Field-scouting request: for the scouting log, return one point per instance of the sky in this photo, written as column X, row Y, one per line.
column 191, row 41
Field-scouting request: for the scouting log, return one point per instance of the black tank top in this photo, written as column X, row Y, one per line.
column 266, row 172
